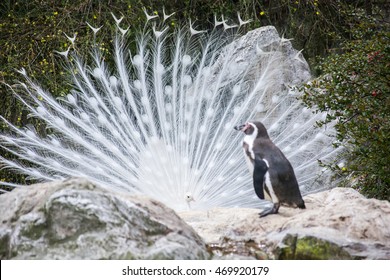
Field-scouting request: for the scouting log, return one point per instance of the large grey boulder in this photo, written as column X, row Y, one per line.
column 337, row 224
column 76, row 219
column 261, row 52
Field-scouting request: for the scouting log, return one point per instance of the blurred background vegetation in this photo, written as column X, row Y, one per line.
column 341, row 39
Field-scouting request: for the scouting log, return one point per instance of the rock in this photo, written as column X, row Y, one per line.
column 258, row 57
column 76, row 219
column 249, row 56
column 337, row 224
column 294, row 247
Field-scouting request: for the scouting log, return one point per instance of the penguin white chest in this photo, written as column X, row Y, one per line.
column 248, row 145
column 248, row 151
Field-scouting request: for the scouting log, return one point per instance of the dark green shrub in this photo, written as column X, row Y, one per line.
column 354, row 89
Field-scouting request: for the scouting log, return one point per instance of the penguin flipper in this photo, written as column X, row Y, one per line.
column 260, row 168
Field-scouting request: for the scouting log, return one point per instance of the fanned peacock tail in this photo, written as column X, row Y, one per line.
column 160, row 122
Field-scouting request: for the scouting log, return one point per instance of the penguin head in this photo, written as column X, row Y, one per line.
column 253, row 128
column 248, row 128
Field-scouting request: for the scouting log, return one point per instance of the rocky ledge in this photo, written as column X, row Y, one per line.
column 75, row 219
column 337, row 224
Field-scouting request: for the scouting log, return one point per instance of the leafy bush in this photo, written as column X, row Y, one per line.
column 354, row 89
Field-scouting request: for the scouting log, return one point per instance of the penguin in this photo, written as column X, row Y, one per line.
column 273, row 176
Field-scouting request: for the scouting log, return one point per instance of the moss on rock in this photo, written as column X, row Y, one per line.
column 309, row 248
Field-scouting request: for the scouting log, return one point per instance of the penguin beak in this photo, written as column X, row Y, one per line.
column 239, row 127
column 242, row 127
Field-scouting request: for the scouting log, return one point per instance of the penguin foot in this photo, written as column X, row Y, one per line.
column 273, row 210
column 268, row 212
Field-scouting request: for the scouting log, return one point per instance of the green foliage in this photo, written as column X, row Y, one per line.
column 354, row 89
